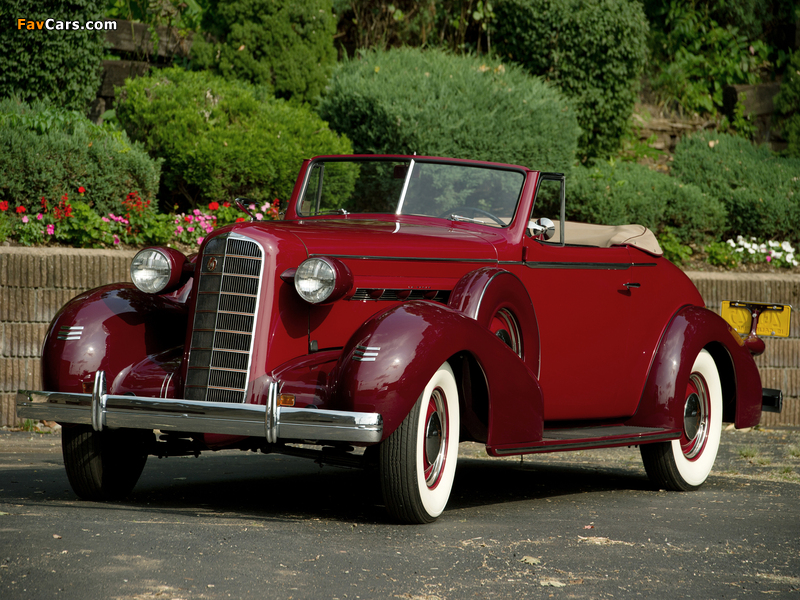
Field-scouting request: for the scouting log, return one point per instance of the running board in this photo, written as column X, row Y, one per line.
column 585, row 438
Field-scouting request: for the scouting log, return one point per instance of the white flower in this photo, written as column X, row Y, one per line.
column 776, row 254
column 751, row 251
column 787, row 247
column 773, row 244
column 731, row 243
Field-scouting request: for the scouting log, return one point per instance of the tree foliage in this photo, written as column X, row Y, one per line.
column 429, row 102
column 594, row 51
column 285, row 45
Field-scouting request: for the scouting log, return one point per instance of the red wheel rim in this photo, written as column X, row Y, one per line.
column 435, row 441
column 696, row 417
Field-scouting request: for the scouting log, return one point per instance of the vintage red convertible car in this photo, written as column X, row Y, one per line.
column 402, row 304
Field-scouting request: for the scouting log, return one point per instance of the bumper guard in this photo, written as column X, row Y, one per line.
column 101, row 410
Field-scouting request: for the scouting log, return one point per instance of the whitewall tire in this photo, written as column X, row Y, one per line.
column 685, row 464
column 418, row 461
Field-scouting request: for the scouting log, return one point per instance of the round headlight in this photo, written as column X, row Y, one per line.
column 152, row 271
column 315, row 280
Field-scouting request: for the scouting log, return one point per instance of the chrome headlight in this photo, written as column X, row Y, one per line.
column 154, row 270
column 319, row 280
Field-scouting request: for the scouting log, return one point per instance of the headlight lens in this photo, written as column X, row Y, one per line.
column 315, row 280
column 151, row 270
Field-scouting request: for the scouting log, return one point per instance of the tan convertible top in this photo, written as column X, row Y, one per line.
column 605, row 236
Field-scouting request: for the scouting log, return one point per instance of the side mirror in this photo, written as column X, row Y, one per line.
column 542, row 228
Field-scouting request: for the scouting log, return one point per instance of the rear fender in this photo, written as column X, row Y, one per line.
column 480, row 294
column 117, row 329
column 389, row 360
column 691, row 330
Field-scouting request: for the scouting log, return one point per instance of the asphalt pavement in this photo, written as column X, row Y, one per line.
column 244, row 525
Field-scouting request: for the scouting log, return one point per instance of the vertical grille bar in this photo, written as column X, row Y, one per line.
column 224, row 320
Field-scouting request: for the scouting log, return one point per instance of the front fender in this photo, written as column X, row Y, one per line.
column 692, row 329
column 110, row 329
column 387, row 363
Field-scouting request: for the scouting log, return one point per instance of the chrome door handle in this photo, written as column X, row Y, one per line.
column 633, row 285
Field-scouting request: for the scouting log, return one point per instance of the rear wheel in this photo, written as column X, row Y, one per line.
column 684, row 464
column 418, row 461
column 103, row 465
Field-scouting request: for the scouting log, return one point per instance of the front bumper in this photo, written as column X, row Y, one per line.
column 273, row 422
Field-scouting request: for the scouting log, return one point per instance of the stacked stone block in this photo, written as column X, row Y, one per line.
column 36, row 282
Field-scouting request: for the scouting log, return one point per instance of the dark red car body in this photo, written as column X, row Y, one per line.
column 604, row 339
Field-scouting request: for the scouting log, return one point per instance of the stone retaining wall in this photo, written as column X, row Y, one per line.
column 36, row 282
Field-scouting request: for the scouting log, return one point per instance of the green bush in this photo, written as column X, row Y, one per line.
column 429, row 102
column 698, row 51
column 286, row 45
column 787, row 102
column 218, row 138
column 60, row 66
column 760, row 190
column 615, row 193
column 47, row 152
column 595, row 51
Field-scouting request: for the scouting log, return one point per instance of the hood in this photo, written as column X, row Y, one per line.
column 391, row 239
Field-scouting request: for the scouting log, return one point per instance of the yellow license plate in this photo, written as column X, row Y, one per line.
column 773, row 320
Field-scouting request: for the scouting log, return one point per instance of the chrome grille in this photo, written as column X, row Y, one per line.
column 224, row 319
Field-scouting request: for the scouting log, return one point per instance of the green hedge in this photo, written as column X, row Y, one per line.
column 47, row 152
column 615, row 193
column 594, row 50
column 286, row 45
column 221, row 139
column 432, row 103
column 59, row 66
column 760, row 190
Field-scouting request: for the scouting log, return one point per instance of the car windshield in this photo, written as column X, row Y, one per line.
column 457, row 191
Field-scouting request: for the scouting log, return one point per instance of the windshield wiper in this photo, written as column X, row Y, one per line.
column 467, row 219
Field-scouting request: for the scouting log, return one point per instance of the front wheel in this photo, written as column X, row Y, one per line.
column 684, row 464
column 103, row 465
column 418, row 461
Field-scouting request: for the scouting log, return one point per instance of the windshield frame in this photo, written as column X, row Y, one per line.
column 413, row 160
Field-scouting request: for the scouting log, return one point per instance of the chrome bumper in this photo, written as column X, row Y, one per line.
column 101, row 410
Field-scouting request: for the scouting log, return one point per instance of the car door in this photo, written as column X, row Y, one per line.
column 584, row 297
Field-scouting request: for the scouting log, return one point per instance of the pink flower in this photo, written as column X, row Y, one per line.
column 259, row 216
column 51, row 229
column 24, row 219
column 116, row 239
column 199, row 241
column 106, row 219
column 39, row 217
column 769, row 259
column 179, row 230
column 190, row 229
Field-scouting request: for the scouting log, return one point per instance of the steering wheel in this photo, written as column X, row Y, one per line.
column 464, row 207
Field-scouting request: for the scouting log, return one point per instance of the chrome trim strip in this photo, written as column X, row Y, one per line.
column 70, row 332
column 623, row 441
column 366, row 353
column 403, row 193
column 409, row 258
column 578, row 265
column 199, row 416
